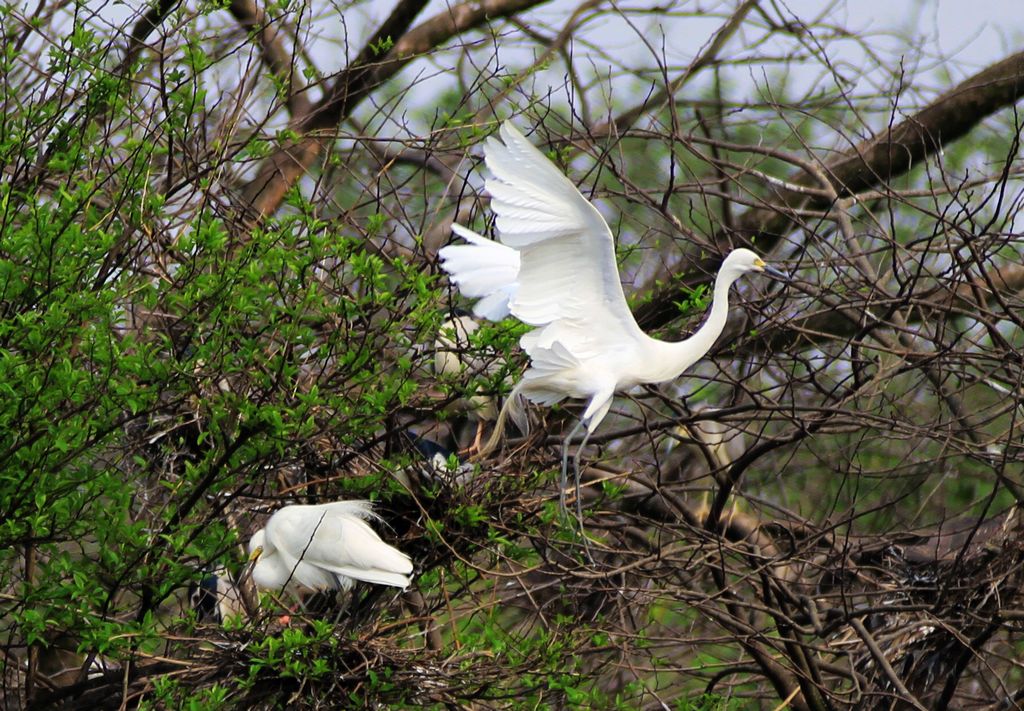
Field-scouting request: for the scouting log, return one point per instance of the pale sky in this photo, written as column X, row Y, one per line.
column 963, row 35
column 960, row 36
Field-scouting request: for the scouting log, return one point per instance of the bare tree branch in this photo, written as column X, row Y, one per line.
column 265, row 192
column 277, row 58
column 868, row 164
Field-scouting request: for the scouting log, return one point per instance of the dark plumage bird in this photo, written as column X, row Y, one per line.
column 436, row 458
column 215, row 597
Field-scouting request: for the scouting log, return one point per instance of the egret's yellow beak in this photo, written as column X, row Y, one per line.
column 771, row 271
column 256, row 554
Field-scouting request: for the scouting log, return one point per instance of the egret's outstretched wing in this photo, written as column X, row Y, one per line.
column 568, row 276
column 483, row 269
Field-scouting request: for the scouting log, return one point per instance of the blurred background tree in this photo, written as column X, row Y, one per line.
column 219, row 294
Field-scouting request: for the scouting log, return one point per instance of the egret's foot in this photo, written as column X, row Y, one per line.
column 563, row 484
column 474, row 449
column 563, row 508
column 573, row 523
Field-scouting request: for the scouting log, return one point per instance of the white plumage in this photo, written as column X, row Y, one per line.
column 555, row 269
column 487, row 271
column 324, row 547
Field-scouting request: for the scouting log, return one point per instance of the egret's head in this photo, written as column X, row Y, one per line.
column 256, row 544
column 743, row 261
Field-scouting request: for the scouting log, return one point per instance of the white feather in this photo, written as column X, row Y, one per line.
column 483, row 269
column 325, row 546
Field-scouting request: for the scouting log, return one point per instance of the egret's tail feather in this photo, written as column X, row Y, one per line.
column 359, row 509
column 379, row 576
column 517, row 411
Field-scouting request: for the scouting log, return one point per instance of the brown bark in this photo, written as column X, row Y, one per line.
column 275, row 55
column 280, row 171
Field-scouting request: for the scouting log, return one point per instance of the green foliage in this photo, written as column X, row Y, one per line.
column 132, row 399
column 295, row 653
column 697, row 300
column 382, row 46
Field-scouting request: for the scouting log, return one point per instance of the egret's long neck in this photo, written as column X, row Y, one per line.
column 682, row 355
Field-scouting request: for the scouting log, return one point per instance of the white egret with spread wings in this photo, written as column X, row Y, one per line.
column 554, row 269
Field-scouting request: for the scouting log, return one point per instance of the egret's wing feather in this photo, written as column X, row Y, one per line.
column 483, row 269
column 359, row 508
column 293, row 532
column 567, row 256
column 348, row 546
column 280, row 570
column 335, row 538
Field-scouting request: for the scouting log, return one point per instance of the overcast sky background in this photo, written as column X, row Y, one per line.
column 954, row 36
column 973, row 31
column 960, row 36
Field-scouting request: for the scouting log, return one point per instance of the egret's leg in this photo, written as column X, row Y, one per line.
column 579, row 493
column 576, row 471
column 477, row 445
column 563, row 482
column 478, row 440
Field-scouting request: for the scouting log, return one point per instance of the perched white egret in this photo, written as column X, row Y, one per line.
column 453, row 356
column 555, row 269
column 324, row 547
